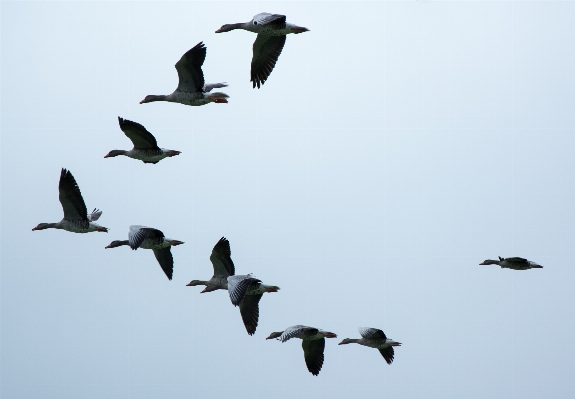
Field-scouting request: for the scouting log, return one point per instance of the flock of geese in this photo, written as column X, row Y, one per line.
column 245, row 291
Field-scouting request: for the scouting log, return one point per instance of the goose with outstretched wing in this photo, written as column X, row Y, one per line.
column 223, row 267
column 272, row 30
column 246, row 291
column 154, row 239
column 375, row 338
column 76, row 218
column 313, row 344
column 513, row 263
column 145, row 145
column 192, row 89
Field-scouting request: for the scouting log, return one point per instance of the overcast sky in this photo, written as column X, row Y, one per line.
column 394, row 147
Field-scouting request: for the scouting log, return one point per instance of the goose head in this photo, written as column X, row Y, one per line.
column 151, row 98
column 115, row 153
column 489, row 262
column 229, row 27
column 275, row 335
column 117, row 243
column 44, row 226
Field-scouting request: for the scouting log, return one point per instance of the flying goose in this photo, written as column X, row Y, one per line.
column 272, row 30
column 76, row 218
column 154, row 239
column 513, row 263
column 192, row 89
column 246, row 291
column 223, row 268
column 374, row 338
column 145, row 146
column 313, row 343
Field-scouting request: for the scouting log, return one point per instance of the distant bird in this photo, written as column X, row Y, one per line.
column 192, row 89
column 246, row 291
column 272, row 30
column 145, row 146
column 223, row 267
column 76, row 218
column 374, row 338
column 513, row 263
column 154, row 239
column 313, row 344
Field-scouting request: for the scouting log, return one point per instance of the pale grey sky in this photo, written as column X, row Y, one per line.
column 394, row 147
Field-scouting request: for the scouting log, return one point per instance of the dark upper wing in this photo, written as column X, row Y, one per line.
column 138, row 234
column 313, row 354
column 277, row 21
column 372, row 333
column 166, row 260
column 297, row 331
column 71, row 197
column 189, row 69
column 222, row 260
column 266, row 51
column 387, row 354
column 238, row 286
column 250, row 311
column 515, row 259
column 140, row 137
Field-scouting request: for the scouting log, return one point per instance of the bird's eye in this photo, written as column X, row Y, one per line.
column 255, row 22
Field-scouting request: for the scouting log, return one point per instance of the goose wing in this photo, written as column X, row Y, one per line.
column 189, row 69
column 95, row 215
column 71, row 197
column 266, row 51
column 313, row 354
column 250, row 311
column 138, row 234
column 221, row 259
column 388, row 354
column 516, row 259
column 297, row 331
column 372, row 333
column 278, row 21
column 238, row 286
column 138, row 134
column 166, row 260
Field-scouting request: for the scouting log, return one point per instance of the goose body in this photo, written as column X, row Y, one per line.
column 271, row 30
column 223, row 267
column 513, row 263
column 150, row 238
column 76, row 218
column 375, row 338
column 246, row 291
column 192, row 89
column 313, row 344
column 145, row 146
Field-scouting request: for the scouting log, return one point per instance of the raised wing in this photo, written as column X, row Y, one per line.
column 189, row 69
column 238, row 286
column 138, row 234
column 71, row 197
column 166, row 260
column 313, row 354
column 95, row 215
column 138, row 134
column 372, row 333
column 250, row 311
column 278, row 21
column 221, row 259
column 387, row 354
column 297, row 331
column 266, row 51
column 515, row 259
